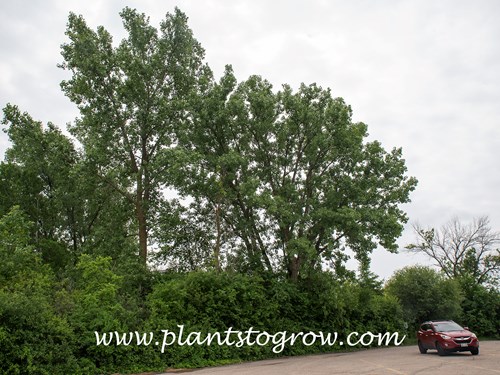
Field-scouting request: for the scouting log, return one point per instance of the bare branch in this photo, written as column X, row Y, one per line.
column 460, row 249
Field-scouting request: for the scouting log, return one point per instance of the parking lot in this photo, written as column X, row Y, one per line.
column 398, row 360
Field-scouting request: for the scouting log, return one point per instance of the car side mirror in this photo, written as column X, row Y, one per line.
column 466, row 328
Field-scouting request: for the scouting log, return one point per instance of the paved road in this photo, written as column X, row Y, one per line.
column 399, row 360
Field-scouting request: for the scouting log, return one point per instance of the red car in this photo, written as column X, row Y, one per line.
column 446, row 336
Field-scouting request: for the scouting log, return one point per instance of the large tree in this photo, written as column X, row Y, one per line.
column 290, row 176
column 462, row 250
column 131, row 97
column 37, row 175
column 37, row 171
column 73, row 211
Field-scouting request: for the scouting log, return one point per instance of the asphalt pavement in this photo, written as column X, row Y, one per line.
column 404, row 360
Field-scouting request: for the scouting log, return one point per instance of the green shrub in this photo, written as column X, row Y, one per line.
column 425, row 294
column 481, row 309
column 33, row 339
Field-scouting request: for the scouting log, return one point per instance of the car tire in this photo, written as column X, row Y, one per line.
column 474, row 351
column 421, row 348
column 440, row 349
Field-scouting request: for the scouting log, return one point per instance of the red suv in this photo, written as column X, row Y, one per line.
column 446, row 336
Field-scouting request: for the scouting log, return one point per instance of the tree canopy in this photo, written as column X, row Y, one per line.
column 131, row 97
column 269, row 180
column 290, row 175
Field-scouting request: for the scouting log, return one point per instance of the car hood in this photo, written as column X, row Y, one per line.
column 457, row 333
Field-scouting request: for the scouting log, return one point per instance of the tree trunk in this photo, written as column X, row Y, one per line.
column 143, row 230
column 294, row 268
column 218, row 238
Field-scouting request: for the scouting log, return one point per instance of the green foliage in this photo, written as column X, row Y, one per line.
column 210, row 302
column 73, row 212
column 293, row 174
column 37, row 177
column 186, row 235
column 33, row 339
column 278, row 182
column 96, row 307
column 425, row 294
column 481, row 308
column 131, row 97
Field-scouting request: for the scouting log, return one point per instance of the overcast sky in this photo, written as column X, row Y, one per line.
column 424, row 75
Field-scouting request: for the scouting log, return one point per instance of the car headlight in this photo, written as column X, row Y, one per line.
column 446, row 337
column 473, row 335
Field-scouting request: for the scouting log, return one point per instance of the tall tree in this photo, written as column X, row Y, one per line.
column 37, row 176
column 72, row 210
column 299, row 183
column 462, row 250
column 131, row 97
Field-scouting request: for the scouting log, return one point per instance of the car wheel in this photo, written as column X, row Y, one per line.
column 421, row 348
column 440, row 349
column 474, row 351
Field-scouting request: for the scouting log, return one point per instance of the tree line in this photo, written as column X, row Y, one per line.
column 266, row 181
column 182, row 199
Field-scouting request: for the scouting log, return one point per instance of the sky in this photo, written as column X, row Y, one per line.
column 424, row 75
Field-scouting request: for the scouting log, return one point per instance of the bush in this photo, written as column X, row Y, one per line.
column 212, row 302
column 481, row 309
column 33, row 339
column 425, row 294
column 47, row 326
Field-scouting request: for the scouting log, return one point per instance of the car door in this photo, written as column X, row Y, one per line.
column 426, row 335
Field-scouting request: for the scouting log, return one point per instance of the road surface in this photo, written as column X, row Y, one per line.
column 396, row 360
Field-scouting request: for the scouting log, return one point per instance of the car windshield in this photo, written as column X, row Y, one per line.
column 447, row 327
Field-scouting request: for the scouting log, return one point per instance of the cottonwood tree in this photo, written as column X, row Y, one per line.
column 72, row 210
column 37, row 176
column 37, row 172
column 131, row 97
column 293, row 174
column 460, row 249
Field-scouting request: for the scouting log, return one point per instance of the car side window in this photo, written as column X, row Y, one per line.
column 427, row 327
